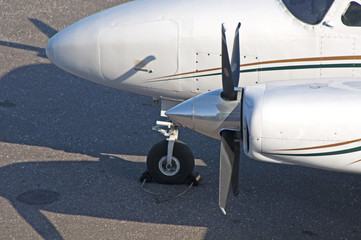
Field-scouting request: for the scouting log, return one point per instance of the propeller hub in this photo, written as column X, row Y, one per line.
column 209, row 113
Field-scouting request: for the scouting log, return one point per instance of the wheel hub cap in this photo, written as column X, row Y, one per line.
column 169, row 169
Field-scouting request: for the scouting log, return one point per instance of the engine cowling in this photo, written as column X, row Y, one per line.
column 316, row 124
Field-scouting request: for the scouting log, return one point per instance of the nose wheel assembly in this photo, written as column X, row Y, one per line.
column 175, row 171
column 170, row 161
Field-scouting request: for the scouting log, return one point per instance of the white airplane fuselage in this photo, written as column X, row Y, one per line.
column 171, row 49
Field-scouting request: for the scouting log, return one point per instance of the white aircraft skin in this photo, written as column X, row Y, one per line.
column 176, row 48
column 298, row 97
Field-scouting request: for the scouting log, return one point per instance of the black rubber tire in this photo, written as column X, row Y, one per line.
column 181, row 152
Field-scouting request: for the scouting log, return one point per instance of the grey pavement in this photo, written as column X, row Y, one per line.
column 72, row 152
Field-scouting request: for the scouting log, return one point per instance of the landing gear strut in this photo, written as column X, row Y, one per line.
column 170, row 161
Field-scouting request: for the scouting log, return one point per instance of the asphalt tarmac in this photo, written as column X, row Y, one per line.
column 72, row 152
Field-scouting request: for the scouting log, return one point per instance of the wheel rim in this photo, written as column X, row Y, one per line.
column 171, row 170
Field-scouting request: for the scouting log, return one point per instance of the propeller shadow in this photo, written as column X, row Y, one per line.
column 40, row 51
column 44, row 28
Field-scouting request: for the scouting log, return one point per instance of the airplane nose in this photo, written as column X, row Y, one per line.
column 50, row 50
column 75, row 50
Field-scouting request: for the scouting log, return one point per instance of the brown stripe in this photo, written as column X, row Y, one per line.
column 323, row 146
column 355, row 162
column 272, row 62
column 306, row 60
column 198, row 71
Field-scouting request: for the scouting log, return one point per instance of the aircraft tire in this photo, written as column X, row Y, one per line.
column 182, row 163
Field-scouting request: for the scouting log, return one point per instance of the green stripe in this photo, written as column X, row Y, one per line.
column 302, row 67
column 299, row 67
column 357, row 149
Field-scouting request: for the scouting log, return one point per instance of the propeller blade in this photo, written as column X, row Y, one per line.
column 230, row 145
column 229, row 166
column 235, row 62
column 235, row 169
column 227, row 78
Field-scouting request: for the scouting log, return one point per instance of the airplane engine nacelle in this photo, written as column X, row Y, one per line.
column 304, row 123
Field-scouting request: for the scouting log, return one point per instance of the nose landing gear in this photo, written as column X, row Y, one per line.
column 170, row 161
